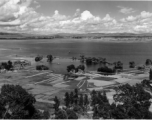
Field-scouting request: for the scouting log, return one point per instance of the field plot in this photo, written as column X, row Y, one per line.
column 104, row 78
column 45, row 85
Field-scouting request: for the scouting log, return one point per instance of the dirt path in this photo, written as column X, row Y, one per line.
column 37, row 74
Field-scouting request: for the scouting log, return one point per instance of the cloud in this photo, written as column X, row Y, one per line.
column 12, row 9
column 126, row 10
column 145, row 14
column 12, row 23
column 58, row 16
column 131, row 18
column 86, row 15
column 77, row 13
column 19, row 16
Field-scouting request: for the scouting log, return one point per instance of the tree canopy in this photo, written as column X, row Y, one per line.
column 17, row 103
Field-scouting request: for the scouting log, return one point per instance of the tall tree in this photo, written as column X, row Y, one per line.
column 86, row 101
column 76, row 96
column 71, row 98
column 67, row 99
column 49, row 58
column 81, row 100
column 57, row 104
column 150, row 74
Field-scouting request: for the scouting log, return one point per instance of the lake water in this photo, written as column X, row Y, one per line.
column 124, row 52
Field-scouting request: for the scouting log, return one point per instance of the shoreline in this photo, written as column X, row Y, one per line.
column 79, row 40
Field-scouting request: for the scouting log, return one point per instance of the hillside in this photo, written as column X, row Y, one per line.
column 88, row 36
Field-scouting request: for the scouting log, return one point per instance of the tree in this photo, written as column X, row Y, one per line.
column 81, row 100
column 132, row 64
column 81, row 67
column 105, row 69
column 148, row 62
column 88, row 61
column 86, row 101
column 76, row 96
column 42, row 67
column 46, row 114
column 118, row 65
column 38, row 58
column 82, row 57
column 135, row 101
column 93, row 98
column 61, row 114
column 70, row 68
column 49, row 58
column 150, row 74
column 17, row 103
column 57, row 104
column 71, row 98
column 67, row 99
column 10, row 65
column 77, row 109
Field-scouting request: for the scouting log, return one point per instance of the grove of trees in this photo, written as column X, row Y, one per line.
column 42, row 67
column 76, row 69
column 130, row 102
column 118, row 65
column 6, row 65
column 106, row 69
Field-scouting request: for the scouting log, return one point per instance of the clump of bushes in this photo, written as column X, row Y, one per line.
column 132, row 64
column 148, row 62
column 118, row 65
column 130, row 102
column 49, row 58
column 106, row 69
column 42, row 67
column 75, row 69
column 6, row 65
column 38, row 58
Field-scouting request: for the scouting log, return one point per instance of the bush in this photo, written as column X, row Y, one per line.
column 105, row 69
column 49, row 58
column 42, row 67
column 38, row 58
column 70, row 68
column 148, row 62
column 6, row 65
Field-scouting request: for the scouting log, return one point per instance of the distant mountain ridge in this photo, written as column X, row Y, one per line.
column 8, row 35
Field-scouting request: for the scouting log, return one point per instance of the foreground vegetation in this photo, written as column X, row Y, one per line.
column 130, row 102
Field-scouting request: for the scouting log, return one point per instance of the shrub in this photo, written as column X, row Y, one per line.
column 42, row 67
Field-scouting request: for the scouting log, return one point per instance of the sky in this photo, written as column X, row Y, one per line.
column 75, row 16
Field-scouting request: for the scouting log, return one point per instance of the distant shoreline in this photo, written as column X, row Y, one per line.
column 86, row 37
column 80, row 40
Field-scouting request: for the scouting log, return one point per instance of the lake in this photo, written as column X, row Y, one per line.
column 124, row 52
